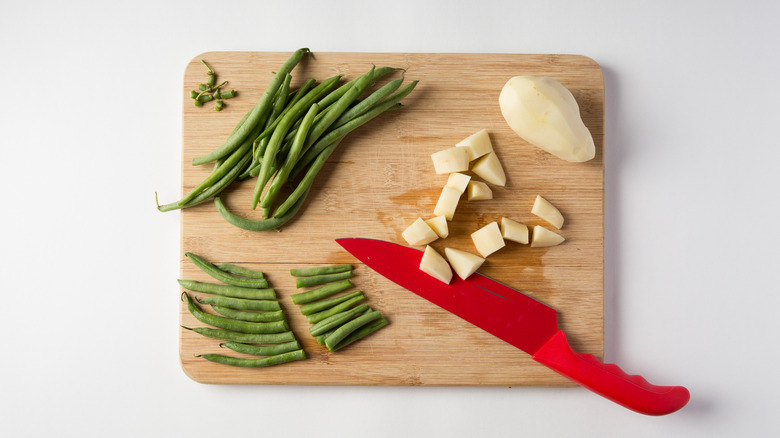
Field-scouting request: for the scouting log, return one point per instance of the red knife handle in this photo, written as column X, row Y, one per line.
column 609, row 381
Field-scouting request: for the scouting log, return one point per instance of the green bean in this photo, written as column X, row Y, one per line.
column 336, row 320
column 361, row 333
column 198, row 103
column 281, row 175
column 247, row 338
column 349, row 327
column 276, row 315
column 240, row 270
column 316, row 280
column 226, row 94
column 229, row 291
column 255, row 363
column 314, row 318
column 336, row 94
column 225, row 168
column 259, row 225
column 320, row 305
column 320, row 270
column 232, row 324
column 224, row 277
column 366, row 104
column 258, row 113
column 262, row 350
column 194, row 94
column 241, row 303
column 218, row 106
column 320, row 292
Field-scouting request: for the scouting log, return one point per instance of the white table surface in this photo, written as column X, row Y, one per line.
column 90, row 117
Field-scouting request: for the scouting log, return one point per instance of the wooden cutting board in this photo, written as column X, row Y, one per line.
column 380, row 180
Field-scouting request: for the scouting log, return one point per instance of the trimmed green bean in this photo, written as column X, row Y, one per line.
column 262, row 350
column 363, row 106
column 361, row 333
column 241, row 303
column 259, row 225
column 246, row 338
column 218, row 106
column 275, row 315
column 320, row 292
column 349, row 327
column 314, row 318
column 258, row 113
column 336, row 320
column 224, row 277
column 229, row 291
column 240, row 270
column 232, row 324
column 320, row 305
column 316, row 280
column 336, row 94
column 255, row 363
column 307, row 272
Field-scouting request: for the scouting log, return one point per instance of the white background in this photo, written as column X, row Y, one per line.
column 90, row 122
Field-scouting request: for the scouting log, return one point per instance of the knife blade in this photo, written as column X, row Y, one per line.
column 518, row 319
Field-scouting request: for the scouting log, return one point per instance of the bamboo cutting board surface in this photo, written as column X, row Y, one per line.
column 379, row 181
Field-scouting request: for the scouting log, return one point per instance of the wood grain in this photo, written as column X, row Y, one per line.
column 379, row 180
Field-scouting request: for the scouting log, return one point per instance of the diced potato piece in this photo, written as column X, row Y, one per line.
column 478, row 143
column 489, row 168
column 448, row 202
column 433, row 264
column 488, row 239
column 439, row 225
column 419, row 233
column 542, row 237
column 479, row 191
column 464, row 263
column 548, row 212
column 458, row 181
column 454, row 159
column 513, row 230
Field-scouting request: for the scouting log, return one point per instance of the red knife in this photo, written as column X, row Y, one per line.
column 519, row 320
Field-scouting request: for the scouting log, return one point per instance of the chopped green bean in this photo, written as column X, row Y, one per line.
column 275, row 315
column 361, row 333
column 316, row 280
column 218, row 106
column 262, row 350
column 224, row 277
column 229, row 291
column 349, row 327
column 336, row 320
column 194, row 94
column 320, row 270
column 241, row 303
column 320, row 292
column 226, row 94
column 320, row 305
column 232, row 324
column 255, row 363
column 247, row 338
column 314, row 318
column 240, row 270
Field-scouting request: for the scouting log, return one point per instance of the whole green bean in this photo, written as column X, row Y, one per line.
column 366, row 104
column 336, row 94
column 349, row 327
column 258, row 113
column 336, row 320
column 316, row 280
column 279, row 104
column 307, row 272
column 320, row 292
column 232, row 324
column 275, row 315
column 320, row 305
column 229, row 291
column 361, row 333
column 240, row 270
column 224, row 277
column 247, row 338
column 255, row 363
column 241, row 303
column 314, row 318
column 259, row 225
column 262, row 350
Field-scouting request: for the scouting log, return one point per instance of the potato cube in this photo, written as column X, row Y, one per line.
column 454, row 159
column 514, row 231
column 458, row 181
column 488, row 239
column 464, row 263
column 448, row 202
column 433, row 264
column 542, row 238
column 489, row 168
column 419, row 233
column 478, row 143
column 439, row 225
column 479, row 191
column 545, row 210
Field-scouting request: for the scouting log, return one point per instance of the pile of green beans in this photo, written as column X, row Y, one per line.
column 246, row 314
column 336, row 321
column 286, row 138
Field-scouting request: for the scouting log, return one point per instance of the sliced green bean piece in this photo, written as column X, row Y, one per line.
column 316, row 280
column 314, row 318
column 276, row 315
column 320, row 292
column 232, row 324
column 224, row 277
column 349, row 327
column 320, row 305
column 218, row 106
column 241, row 303
column 259, row 225
column 320, row 270
column 246, row 338
column 240, row 270
column 262, row 350
column 258, row 113
column 228, row 290
column 255, row 363
column 336, row 320
column 361, row 333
